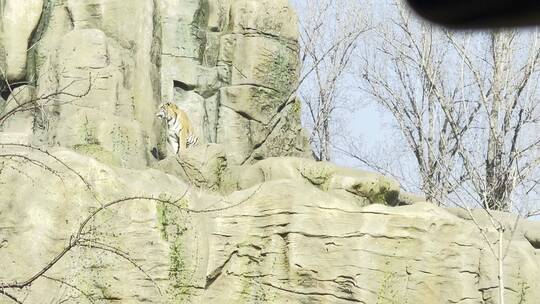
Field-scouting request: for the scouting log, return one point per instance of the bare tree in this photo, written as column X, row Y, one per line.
column 404, row 72
column 464, row 104
column 467, row 106
column 13, row 103
column 330, row 32
column 506, row 159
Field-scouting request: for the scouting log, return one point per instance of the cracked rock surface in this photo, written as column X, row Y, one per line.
column 106, row 66
column 284, row 237
column 245, row 216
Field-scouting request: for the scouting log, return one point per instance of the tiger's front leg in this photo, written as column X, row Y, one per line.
column 174, row 144
column 182, row 140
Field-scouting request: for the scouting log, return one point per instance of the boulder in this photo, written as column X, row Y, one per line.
column 18, row 23
column 287, row 231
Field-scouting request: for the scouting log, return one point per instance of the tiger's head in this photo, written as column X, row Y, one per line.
column 166, row 110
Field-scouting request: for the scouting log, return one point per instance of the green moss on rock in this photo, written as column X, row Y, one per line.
column 96, row 151
column 171, row 225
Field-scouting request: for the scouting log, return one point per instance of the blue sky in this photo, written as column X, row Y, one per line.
column 372, row 127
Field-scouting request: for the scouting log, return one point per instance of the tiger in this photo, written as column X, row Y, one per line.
column 180, row 133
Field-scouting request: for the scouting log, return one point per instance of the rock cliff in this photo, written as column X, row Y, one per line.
column 94, row 209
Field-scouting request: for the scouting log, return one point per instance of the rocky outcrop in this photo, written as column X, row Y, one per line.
column 19, row 20
column 297, row 245
column 234, row 65
column 286, row 234
column 42, row 209
column 92, row 210
column 102, row 67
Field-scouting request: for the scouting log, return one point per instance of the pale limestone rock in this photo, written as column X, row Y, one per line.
column 284, row 235
column 20, row 124
column 218, row 15
column 210, row 124
column 234, row 131
column 292, row 244
column 119, row 60
column 254, row 224
column 287, row 239
column 95, row 121
column 18, row 20
column 101, row 54
column 242, row 57
column 268, row 17
column 41, row 209
column 201, row 166
column 362, row 188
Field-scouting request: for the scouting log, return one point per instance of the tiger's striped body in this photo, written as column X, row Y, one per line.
column 180, row 133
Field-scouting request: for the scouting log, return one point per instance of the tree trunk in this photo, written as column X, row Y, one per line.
column 495, row 192
column 501, row 264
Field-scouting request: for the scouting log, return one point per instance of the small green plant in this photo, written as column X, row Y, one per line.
column 171, row 229
column 523, row 288
column 318, row 175
column 163, row 220
column 386, row 293
column 389, row 289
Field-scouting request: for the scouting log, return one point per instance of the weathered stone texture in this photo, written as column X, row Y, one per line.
column 18, row 20
column 118, row 60
column 244, row 56
column 289, row 231
column 244, row 216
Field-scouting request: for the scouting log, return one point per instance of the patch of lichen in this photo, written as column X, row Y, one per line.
column 388, row 293
column 319, row 175
column 378, row 192
column 228, row 181
column 171, row 225
column 178, row 273
column 121, row 140
column 35, row 61
column 384, row 196
column 163, row 220
column 268, row 23
column 252, row 290
column 219, row 171
column 92, row 147
column 96, row 283
column 297, row 108
column 211, row 52
column 279, row 69
column 523, row 289
column 286, row 139
column 96, row 151
column 170, row 219
column 255, row 292
column 266, row 102
column 3, row 87
column 246, row 291
column 393, row 286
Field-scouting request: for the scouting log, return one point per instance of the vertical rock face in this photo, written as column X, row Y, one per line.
column 19, row 20
column 96, row 58
column 233, row 65
column 102, row 67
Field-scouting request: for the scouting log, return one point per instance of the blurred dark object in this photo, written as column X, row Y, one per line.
column 479, row 13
